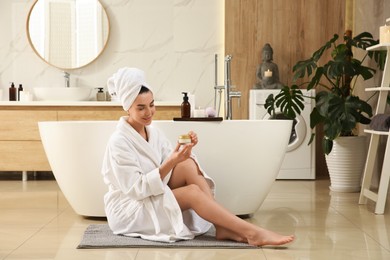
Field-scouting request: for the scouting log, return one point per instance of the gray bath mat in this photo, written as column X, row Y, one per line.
column 100, row 236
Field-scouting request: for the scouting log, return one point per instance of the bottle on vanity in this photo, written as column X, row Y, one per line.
column 100, row 95
column 185, row 106
column 108, row 96
column 12, row 92
column 20, row 90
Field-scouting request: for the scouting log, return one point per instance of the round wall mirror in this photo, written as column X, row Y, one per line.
column 68, row 34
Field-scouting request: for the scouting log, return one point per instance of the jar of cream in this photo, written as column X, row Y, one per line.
column 184, row 139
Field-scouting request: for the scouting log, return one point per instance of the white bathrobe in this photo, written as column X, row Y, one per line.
column 139, row 203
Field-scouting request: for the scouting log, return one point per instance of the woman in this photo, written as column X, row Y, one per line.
column 159, row 193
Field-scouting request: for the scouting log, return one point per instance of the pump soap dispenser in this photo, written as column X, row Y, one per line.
column 12, row 92
column 100, row 95
column 20, row 89
column 185, row 106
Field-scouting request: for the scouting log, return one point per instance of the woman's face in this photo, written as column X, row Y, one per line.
column 142, row 110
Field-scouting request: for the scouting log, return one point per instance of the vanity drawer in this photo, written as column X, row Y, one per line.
column 23, row 156
column 87, row 115
column 167, row 112
column 109, row 113
column 22, row 124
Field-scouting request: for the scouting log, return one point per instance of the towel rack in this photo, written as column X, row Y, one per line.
column 366, row 193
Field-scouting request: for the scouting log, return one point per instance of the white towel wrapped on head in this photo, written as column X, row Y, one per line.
column 126, row 84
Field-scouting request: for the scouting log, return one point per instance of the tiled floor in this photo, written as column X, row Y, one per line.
column 36, row 222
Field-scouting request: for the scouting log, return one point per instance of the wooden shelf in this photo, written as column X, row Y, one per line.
column 199, row 119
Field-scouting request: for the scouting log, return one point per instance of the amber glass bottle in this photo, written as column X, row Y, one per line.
column 185, row 107
column 12, row 92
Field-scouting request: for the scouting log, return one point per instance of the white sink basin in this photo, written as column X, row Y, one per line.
column 62, row 94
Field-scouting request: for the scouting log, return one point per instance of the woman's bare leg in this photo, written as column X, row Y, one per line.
column 192, row 191
column 233, row 227
column 187, row 172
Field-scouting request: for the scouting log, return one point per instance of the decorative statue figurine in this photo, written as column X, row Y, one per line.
column 267, row 73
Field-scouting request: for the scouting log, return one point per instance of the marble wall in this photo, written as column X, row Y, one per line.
column 174, row 41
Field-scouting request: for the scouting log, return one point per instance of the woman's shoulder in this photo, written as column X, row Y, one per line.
column 116, row 138
column 157, row 134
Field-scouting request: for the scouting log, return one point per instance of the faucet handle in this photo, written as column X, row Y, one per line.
column 236, row 94
column 67, row 79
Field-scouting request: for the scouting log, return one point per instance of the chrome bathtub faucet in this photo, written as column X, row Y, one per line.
column 229, row 94
column 227, row 88
column 67, row 79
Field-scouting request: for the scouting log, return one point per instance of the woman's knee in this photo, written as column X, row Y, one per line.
column 187, row 167
column 194, row 190
column 188, row 196
column 189, row 163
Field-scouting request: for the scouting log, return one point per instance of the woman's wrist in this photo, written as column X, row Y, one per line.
column 166, row 167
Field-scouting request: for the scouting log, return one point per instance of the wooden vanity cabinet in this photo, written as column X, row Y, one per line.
column 20, row 144
column 21, row 148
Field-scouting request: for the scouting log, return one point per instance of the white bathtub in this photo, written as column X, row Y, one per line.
column 242, row 156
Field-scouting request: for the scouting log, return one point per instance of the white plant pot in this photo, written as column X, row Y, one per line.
column 346, row 163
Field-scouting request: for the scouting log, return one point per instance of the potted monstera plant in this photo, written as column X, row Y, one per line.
column 337, row 108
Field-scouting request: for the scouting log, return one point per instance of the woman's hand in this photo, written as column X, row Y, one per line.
column 194, row 137
column 179, row 154
column 182, row 152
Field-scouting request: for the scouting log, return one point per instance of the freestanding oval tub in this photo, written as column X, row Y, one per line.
column 242, row 156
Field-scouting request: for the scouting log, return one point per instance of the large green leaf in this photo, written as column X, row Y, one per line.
column 270, row 105
column 379, row 57
column 339, row 115
column 361, row 41
column 290, row 101
column 308, row 66
column 315, row 118
column 301, row 67
column 327, row 145
column 323, row 99
column 365, row 72
column 315, row 80
column 332, row 130
column 318, row 54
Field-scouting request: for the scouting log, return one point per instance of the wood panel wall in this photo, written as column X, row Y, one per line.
column 294, row 28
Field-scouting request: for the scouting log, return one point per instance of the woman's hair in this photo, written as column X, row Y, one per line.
column 143, row 90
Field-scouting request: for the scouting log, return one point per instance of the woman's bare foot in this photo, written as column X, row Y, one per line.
column 260, row 237
column 225, row 234
column 264, row 237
